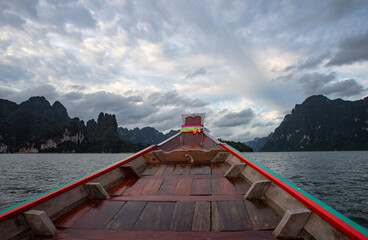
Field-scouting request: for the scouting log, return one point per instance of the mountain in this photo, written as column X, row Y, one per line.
column 238, row 145
column 37, row 126
column 257, row 143
column 146, row 135
column 321, row 124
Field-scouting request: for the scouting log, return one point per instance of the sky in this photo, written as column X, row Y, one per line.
column 244, row 63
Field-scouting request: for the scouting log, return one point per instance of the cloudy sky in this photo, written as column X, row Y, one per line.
column 245, row 63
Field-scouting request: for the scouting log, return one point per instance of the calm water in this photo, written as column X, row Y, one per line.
column 340, row 179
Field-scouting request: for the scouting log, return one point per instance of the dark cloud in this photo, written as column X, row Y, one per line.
column 14, row 73
column 196, row 73
column 310, row 63
column 354, row 49
column 173, row 98
column 326, row 84
column 234, row 119
column 263, row 124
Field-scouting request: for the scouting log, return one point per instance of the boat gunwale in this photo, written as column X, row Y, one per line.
column 323, row 210
column 35, row 201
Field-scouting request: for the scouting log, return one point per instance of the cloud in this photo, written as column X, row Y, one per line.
column 319, row 83
column 310, row 63
column 234, row 119
column 263, row 124
column 196, row 73
column 352, row 50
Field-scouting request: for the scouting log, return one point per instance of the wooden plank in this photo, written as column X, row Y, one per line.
column 233, row 216
column 166, row 198
column 137, row 187
column 69, row 218
column 169, row 169
column 219, row 168
column 215, row 218
column 241, row 186
column 182, row 169
column 227, row 186
column 150, row 169
column 152, row 186
column 202, row 217
column 215, row 186
column 235, row 170
column 121, row 187
column 200, row 170
column 183, row 187
column 292, row 223
column 156, row 216
column 261, row 216
column 201, row 187
column 95, row 234
column 40, row 222
column 182, row 217
column 168, row 186
column 161, row 169
column 126, row 218
column 99, row 215
column 257, row 189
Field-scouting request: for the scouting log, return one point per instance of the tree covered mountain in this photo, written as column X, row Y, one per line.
column 146, row 135
column 36, row 126
column 321, row 124
column 257, row 143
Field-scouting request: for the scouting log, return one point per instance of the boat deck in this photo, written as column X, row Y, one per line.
column 172, row 201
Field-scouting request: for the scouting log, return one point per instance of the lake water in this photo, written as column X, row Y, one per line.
column 340, row 179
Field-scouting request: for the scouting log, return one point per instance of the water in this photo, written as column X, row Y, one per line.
column 339, row 179
column 23, row 176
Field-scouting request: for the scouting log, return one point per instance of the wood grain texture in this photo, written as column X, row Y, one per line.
column 161, row 169
column 219, row 168
column 241, row 186
column 183, row 187
column 233, row 216
column 182, row 217
column 156, row 216
column 150, row 169
column 152, row 186
column 200, row 170
column 202, row 217
column 168, row 186
column 182, row 169
column 137, row 187
column 126, row 218
column 169, row 169
column 261, row 216
column 99, row 215
column 133, row 235
column 227, row 186
column 201, row 187
column 121, row 187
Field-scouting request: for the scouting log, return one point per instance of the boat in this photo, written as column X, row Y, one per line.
column 191, row 186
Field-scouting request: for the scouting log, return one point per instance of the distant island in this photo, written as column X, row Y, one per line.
column 36, row 126
column 318, row 124
column 321, row 124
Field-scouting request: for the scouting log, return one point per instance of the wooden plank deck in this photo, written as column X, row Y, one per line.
column 167, row 199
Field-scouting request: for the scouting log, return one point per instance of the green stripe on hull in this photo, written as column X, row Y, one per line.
column 322, row 204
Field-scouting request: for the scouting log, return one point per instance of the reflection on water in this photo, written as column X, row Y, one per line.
column 339, row 179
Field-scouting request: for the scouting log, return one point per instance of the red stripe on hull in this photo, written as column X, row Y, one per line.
column 322, row 212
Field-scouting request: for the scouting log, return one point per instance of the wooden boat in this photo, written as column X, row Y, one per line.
column 190, row 186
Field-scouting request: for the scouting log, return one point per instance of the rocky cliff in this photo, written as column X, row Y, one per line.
column 321, row 124
column 36, row 126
